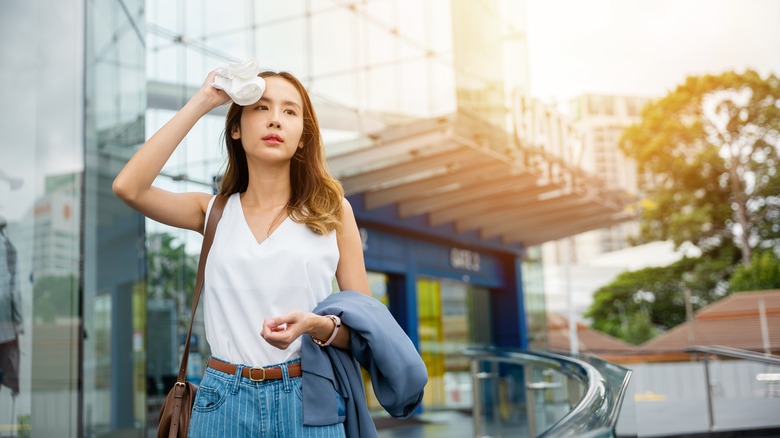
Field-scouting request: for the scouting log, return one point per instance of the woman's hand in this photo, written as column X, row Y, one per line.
column 282, row 330
column 210, row 95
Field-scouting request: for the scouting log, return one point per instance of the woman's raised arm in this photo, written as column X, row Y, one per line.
column 133, row 185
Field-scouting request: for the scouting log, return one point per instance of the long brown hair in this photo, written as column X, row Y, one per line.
column 315, row 196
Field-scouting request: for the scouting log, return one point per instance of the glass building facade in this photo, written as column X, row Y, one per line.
column 96, row 297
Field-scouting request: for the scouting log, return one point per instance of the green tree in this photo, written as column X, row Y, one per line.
column 637, row 304
column 170, row 270
column 710, row 149
column 55, row 296
column 640, row 328
column 708, row 152
column 762, row 274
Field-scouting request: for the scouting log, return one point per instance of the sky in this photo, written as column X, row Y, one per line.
column 645, row 48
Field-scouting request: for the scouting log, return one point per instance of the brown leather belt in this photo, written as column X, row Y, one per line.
column 256, row 374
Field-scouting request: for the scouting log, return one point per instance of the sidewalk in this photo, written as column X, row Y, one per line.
column 446, row 424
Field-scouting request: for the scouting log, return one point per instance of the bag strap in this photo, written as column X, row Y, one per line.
column 208, row 239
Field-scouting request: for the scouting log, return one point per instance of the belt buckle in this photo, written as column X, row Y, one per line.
column 251, row 376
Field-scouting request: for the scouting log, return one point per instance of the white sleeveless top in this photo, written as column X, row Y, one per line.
column 247, row 282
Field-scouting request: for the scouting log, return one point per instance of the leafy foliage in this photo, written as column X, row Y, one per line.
column 171, row 271
column 710, row 150
column 639, row 329
column 55, row 296
column 637, row 304
column 762, row 274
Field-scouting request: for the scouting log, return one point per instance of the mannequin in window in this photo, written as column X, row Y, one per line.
column 10, row 313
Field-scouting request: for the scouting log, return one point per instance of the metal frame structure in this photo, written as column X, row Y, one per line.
column 736, row 353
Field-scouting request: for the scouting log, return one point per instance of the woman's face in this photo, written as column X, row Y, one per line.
column 271, row 128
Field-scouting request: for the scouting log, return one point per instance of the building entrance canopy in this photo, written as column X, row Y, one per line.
column 460, row 170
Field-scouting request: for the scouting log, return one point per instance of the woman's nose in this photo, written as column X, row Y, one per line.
column 273, row 121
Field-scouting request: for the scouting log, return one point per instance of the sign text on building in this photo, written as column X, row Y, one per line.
column 464, row 259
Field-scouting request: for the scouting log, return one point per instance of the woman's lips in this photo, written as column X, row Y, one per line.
column 272, row 139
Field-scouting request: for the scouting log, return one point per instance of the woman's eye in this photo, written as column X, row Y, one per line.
column 262, row 107
column 290, row 112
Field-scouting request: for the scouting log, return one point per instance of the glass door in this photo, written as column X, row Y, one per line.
column 452, row 317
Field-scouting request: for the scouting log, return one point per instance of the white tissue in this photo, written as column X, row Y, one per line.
column 240, row 81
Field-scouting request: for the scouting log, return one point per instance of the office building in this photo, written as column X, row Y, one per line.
column 419, row 105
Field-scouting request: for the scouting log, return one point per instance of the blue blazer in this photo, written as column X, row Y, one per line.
column 379, row 345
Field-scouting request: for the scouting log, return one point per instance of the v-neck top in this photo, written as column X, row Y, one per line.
column 247, row 282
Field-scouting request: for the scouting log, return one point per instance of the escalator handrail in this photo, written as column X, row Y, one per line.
column 598, row 408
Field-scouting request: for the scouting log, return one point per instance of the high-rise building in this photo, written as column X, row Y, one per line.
column 599, row 121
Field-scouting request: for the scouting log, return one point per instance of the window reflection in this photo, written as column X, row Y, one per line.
column 11, row 319
column 41, row 176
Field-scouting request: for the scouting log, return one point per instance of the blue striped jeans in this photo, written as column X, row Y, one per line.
column 234, row 406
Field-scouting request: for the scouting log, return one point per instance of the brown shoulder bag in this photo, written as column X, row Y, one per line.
column 177, row 407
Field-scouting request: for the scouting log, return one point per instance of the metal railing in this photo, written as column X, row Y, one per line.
column 561, row 396
column 705, row 352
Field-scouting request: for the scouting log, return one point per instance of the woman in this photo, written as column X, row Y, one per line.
column 285, row 231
